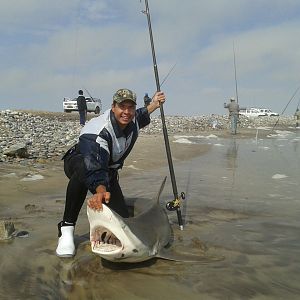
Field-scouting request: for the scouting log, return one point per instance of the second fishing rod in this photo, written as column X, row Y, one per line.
column 175, row 204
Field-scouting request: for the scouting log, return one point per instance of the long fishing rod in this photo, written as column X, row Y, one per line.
column 236, row 88
column 166, row 77
column 174, row 204
column 88, row 93
column 286, row 106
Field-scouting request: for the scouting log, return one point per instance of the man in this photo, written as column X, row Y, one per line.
column 233, row 109
column 147, row 100
column 93, row 163
column 82, row 108
column 297, row 117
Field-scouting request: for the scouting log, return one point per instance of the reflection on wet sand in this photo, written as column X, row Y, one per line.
column 231, row 154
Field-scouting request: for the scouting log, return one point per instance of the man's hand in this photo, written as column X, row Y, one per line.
column 157, row 99
column 95, row 202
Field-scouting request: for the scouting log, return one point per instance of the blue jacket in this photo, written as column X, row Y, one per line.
column 104, row 146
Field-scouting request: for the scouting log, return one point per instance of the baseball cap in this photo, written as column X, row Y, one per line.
column 124, row 94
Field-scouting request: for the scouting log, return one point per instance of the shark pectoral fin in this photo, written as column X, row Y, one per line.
column 169, row 254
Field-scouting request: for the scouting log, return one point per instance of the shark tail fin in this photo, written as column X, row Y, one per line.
column 161, row 189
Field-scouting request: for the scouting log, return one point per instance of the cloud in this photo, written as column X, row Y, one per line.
column 51, row 48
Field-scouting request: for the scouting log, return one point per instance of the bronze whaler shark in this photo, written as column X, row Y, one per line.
column 134, row 239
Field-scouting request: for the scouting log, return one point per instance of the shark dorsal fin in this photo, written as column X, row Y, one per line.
column 161, row 189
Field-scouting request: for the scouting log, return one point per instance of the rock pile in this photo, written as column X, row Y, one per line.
column 37, row 137
column 176, row 124
column 27, row 135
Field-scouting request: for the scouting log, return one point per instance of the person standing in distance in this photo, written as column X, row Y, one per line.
column 82, row 108
column 93, row 163
column 147, row 100
column 233, row 109
column 297, row 117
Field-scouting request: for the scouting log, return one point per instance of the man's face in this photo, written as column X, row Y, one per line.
column 124, row 112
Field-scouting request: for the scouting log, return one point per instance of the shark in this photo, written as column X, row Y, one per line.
column 131, row 240
column 134, row 239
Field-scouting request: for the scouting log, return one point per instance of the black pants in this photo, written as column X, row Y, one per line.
column 82, row 116
column 77, row 190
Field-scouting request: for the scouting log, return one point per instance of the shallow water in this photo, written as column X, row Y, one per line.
column 241, row 214
column 242, row 203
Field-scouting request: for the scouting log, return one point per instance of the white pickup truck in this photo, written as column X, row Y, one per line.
column 257, row 112
column 268, row 112
column 93, row 105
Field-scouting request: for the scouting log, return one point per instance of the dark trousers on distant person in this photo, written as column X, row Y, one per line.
column 77, row 190
column 82, row 116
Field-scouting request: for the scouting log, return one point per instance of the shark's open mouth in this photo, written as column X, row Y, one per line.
column 103, row 240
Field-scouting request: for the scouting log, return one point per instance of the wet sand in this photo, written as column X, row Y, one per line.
column 29, row 267
column 234, row 265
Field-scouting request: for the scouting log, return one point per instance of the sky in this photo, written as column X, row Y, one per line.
column 51, row 49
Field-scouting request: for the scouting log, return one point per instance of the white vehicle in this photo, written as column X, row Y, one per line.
column 267, row 112
column 257, row 112
column 250, row 112
column 93, row 105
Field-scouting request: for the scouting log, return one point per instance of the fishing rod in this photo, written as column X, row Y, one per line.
column 166, row 77
column 236, row 88
column 88, row 93
column 174, row 204
column 287, row 106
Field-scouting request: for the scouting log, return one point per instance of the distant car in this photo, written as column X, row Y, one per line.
column 268, row 112
column 93, row 105
column 250, row 112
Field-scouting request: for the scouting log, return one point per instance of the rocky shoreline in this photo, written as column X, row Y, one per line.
column 37, row 137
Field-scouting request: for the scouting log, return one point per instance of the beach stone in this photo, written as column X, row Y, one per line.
column 7, row 229
column 17, row 150
column 22, row 234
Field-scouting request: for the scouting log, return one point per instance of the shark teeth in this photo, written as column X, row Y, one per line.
column 104, row 247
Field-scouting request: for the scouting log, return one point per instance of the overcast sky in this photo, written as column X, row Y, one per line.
column 50, row 49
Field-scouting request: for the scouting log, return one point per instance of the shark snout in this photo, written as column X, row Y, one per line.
column 113, row 239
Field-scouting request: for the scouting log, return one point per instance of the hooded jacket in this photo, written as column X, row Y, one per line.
column 104, row 145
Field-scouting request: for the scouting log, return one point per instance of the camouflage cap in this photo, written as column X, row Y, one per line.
column 124, row 94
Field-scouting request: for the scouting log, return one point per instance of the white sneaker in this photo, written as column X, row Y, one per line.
column 66, row 246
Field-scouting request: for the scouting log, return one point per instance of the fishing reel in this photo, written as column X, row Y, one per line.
column 174, row 204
